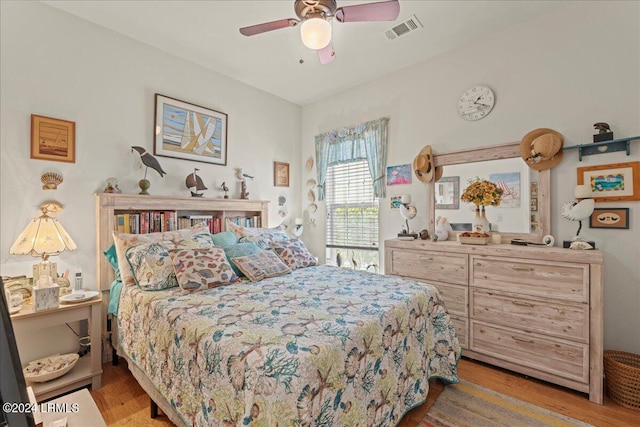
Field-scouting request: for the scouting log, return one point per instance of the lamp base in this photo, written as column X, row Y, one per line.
column 407, row 236
column 45, row 268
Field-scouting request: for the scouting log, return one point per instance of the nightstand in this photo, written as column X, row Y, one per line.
column 88, row 369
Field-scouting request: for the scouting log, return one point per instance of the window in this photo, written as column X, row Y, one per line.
column 352, row 217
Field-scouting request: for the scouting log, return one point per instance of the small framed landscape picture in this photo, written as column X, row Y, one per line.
column 610, row 218
column 614, row 182
column 280, row 174
column 53, row 139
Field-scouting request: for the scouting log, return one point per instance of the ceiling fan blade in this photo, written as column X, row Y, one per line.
column 268, row 26
column 327, row 54
column 380, row 11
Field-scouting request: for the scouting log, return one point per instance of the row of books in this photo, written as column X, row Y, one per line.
column 159, row 221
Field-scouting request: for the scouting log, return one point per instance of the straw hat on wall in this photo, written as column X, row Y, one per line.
column 541, row 149
column 423, row 164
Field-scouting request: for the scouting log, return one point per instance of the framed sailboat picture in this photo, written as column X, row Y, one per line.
column 188, row 131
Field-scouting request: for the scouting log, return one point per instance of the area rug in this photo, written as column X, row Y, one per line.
column 469, row 405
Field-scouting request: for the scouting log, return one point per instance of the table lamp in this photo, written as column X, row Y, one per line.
column 407, row 211
column 42, row 237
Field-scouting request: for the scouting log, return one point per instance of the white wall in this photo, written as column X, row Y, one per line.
column 566, row 70
column 57, row 65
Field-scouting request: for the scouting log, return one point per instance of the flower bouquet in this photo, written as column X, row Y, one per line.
column 482, row 193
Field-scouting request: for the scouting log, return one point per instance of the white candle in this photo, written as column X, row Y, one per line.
column 496, row 238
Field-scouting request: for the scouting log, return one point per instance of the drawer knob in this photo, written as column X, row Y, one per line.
column 521, row 340
column 523, row 304
column 517, row 268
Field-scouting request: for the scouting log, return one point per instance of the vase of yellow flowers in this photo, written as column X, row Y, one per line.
column 481, row 193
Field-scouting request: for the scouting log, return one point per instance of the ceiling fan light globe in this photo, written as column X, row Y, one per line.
column 315, row 33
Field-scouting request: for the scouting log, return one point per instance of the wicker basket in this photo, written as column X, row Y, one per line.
column 623, row 377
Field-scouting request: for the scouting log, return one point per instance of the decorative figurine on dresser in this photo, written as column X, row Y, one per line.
column 194, row 184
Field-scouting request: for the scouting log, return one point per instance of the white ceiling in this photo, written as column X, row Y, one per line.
column 206, row 33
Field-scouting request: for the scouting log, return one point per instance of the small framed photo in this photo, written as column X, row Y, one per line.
column 396, row 202
column 53, row 139
column 534, row 204
column 280, row 174
column 614, row 182
column 534, row 189
column 610, row 218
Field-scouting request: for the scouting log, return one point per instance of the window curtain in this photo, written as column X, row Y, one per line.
column 364, row 141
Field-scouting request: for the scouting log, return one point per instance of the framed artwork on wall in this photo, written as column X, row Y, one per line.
column 53, row 139
column 190, row 132
column 280, row 174
column 447, row 192
column 614, row 182
column 400, row 174
column 610, row 218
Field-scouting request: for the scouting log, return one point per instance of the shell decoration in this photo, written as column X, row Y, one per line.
column 51, row 180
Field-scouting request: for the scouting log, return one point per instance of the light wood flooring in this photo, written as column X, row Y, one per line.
column 122, row 401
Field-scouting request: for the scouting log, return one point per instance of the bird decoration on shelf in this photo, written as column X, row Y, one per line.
column 224, row 188
column 241, row 175
column 194, row 182
column 579, row 210
column 149, row 161
column 602, row 127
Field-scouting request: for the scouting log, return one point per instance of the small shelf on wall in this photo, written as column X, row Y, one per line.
column 622, row 144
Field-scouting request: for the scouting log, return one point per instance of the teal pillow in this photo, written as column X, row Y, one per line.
column 238, row 250
column 226, row 238
column 111, row 256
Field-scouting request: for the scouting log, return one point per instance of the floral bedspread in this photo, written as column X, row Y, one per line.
column 322, row 346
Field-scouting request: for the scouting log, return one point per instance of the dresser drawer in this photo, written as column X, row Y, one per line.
column 455, row 298
column 536, row 278
column 462, row 329
column 558, row 357
column 430, row 266
column 563, row 320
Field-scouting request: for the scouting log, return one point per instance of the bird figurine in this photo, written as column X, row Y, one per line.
column 582, row 209
column 224, row 188
column 602, row 127
column 241, row 175
column 194, row 182
column 149, row 161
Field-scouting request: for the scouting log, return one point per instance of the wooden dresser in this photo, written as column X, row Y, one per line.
column 531, row 309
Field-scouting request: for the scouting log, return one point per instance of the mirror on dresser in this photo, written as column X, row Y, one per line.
column 523, row 215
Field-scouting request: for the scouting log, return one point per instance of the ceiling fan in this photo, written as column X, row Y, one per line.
column 314, row 17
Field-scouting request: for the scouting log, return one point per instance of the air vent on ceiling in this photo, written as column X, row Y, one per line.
column 405, row 27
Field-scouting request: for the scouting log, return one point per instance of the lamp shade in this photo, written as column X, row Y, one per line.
column 315, row 33
column 43, row 236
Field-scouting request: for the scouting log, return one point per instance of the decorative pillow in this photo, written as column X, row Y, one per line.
column 238, row 250
column 261, row 265
column 294, row 253
column 260, row 236
column 225, row 238
column 151, row 265
column 198, row 269
column 123, row 241
column 112, row 257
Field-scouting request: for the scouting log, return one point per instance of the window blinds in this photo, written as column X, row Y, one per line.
column 352, row 209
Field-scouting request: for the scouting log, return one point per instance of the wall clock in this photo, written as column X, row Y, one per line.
column 476, row 103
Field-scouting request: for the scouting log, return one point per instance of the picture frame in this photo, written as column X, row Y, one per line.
column 447, row 192
column 395, row 202
column 399, row 174
column 190, row 132
column 613, row 182
column 53, row 139
column 610, row 218
column 509, row 183
column 280, row 174
column 534, row 189
column 533, row 207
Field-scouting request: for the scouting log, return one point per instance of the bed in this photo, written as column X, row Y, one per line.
column 318, row 346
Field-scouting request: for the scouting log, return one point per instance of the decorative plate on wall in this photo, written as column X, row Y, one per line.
column 309, row 164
